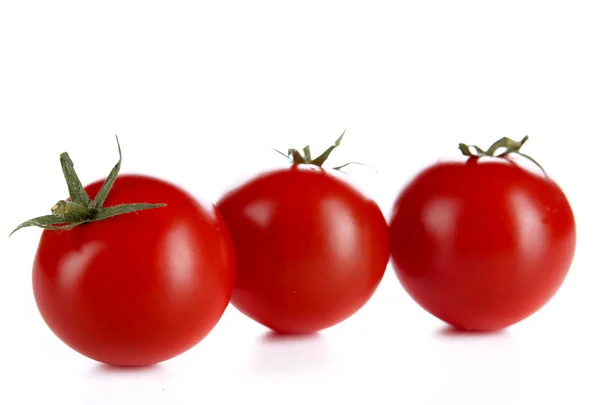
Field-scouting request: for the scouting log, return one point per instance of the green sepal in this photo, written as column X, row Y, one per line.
column 109, row 182
column 81, row 209
column 319, row 160
column 306, row 158
column 76, row 190
column 45, row 222
column 113, row 211
column 509, row 145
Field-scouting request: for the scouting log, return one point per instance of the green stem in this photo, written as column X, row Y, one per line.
column 509, row 146
column 75, row 212
column 297, row 158
column 81, row 209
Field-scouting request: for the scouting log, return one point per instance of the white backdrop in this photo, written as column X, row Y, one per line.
column 199, row 92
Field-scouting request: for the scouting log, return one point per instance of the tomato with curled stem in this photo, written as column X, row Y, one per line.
column 310, row 248
column 484, row 243
column 128, row 283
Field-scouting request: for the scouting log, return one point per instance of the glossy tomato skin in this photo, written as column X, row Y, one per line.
column 310, row 248
column 481, row 244
column 139, row 288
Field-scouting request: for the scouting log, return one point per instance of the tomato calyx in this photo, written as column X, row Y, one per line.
column 305, row 157
column 80, row 208
column 505, row 146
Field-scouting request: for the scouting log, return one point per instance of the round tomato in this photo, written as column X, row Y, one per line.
column 141, row 287
column 484, row 243
column 310, row 248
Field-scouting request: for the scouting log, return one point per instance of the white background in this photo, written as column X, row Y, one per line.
column 199, row 92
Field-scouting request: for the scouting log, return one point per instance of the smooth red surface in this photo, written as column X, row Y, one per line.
column 310, row 249
column 481, row 244
column 139, row 288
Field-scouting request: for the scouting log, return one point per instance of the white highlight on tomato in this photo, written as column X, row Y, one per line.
column 259, row 212
column 73, row 265
column 180, row 257
column 528, row 225
column 345, row 232
column 440, row 218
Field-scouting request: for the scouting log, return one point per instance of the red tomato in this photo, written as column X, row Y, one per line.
column 138, row 288
column 481, row 244
column 310, row 248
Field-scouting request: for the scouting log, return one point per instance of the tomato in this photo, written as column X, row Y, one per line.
column 138, row 288
column 484, row 243
column 310, row 248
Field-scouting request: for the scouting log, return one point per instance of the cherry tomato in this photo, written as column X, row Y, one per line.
column 484, row 243
column 310, row 248
column 138, row 288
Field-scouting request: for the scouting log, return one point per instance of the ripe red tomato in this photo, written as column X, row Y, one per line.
column 136, row 288
column 482, row 244
column 310, row 248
